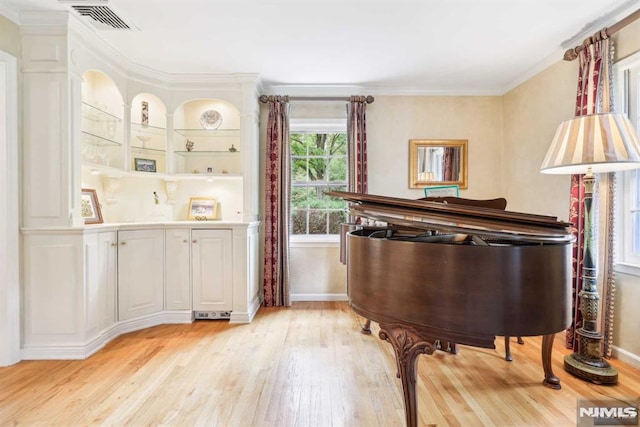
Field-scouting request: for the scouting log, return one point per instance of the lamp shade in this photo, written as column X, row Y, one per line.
column 599, row 143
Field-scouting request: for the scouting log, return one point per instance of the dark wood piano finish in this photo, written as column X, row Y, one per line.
column 507, row 274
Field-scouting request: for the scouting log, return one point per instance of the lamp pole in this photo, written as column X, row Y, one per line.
column 587, row 363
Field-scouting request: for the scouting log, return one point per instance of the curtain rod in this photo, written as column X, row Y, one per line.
column 368, row 99
column 572, row 54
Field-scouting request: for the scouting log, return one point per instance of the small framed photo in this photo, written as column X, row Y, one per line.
column 442, row 191
column 145, row 165
column 89, row 207
column 202, row 208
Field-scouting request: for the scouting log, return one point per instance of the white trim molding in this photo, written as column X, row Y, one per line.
column 625, row 356
column 319, row 297
column 9, row 222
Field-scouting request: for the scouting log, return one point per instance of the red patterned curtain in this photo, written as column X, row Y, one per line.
column 593, row 96
column 451, row 167
column 277, row 196
column 357, row 144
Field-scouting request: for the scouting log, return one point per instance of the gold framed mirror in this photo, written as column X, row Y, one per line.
column 438, row 162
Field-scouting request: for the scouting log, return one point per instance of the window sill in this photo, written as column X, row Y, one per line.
column 631, row 269
column 327, row 241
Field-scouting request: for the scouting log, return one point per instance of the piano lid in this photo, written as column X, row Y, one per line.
column 455, row 218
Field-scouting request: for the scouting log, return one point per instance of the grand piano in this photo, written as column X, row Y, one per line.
column 431, row 272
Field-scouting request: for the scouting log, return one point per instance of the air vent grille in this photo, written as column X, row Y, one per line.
column 103, row 15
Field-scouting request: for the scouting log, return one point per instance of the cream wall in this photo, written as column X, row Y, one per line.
column 393, row 120
column 9, row 37
column 532, row 111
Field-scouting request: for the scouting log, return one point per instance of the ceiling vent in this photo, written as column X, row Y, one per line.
column 102, row 17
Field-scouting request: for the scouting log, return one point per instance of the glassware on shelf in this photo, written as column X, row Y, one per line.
column 143, row 139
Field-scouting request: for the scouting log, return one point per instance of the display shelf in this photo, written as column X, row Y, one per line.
column 92, row 112
column 210, row 133
column 156, row 151
column 147, row 130
column 205, row 176
column 210, row 153
column 97, row 140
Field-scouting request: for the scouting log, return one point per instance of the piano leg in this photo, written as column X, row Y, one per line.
column 366, row 328
column 407, row 344
column 550, row 380
column 507, row 349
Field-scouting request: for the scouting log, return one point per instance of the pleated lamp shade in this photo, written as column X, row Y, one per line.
column 598, row 143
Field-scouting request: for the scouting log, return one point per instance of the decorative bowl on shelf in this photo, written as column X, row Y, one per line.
column 211, row 119
column 143, row 139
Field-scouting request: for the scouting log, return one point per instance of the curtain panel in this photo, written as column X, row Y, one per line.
column 594, row 95
column 277, row 197
column 357, row 144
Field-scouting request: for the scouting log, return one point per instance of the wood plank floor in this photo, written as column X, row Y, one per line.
column 307, row 365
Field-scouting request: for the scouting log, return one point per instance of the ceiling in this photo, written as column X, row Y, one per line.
column 383, row 46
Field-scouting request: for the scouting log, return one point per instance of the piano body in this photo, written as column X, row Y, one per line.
column 443, row 272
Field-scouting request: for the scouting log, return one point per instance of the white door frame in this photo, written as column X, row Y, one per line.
column 9, row 213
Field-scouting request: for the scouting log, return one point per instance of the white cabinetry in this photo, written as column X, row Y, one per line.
column 178, row 269
column 102, row 293
column 212, row 270
column 140, row 273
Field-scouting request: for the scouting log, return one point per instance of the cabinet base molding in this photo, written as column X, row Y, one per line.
column 83, row 351
column 246, row 316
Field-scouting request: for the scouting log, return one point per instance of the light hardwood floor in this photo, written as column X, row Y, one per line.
column 307, row 365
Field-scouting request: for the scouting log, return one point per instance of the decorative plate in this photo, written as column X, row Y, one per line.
column 210, row 119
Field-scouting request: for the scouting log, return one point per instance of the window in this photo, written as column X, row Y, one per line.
column 628, row 196
column 318, row 164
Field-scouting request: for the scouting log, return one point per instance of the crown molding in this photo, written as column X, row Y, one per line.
column 588, row 30
column 348, row 90
column 606, row 20
column 10, row 14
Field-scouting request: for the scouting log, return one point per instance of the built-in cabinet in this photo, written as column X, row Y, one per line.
column 178, row 269
column 140, row 273
column 106, row 289
column 211, row 270
column 83, row 127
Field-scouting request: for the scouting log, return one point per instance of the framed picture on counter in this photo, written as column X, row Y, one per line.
column 202, row 208
column 442, row 191
column 90, row 208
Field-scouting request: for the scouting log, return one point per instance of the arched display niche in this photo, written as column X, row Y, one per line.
column 148, row 134
column 102, row 128
column 206, row 138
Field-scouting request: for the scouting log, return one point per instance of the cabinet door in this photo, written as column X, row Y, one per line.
column 211, row 266
column 100, row 276
column 107, row 252
column 140, row 273
column 178, row 270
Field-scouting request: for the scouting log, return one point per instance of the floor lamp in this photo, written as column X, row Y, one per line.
column 596, row 143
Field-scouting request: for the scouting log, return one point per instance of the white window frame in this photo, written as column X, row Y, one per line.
column 627, row 74
column 316, row 125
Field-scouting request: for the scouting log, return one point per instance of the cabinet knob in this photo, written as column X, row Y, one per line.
column 185, row 241
column 123, row 243
column 194, row 241
column 114, row 244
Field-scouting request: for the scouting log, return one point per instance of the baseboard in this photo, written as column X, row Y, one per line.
column 83, row 351
column 319, row 297
column 625, row 356
column 247, row 317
